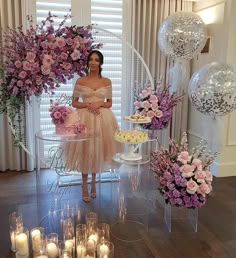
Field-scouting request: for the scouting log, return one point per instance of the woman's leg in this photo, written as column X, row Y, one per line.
column 85, row 194
column 93, row 186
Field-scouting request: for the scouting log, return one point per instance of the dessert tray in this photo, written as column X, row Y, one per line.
column 139, row 119
column 134, row 139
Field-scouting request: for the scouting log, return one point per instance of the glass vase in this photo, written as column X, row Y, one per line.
column 181, row 215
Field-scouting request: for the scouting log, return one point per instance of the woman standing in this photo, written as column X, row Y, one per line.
column 92, row 98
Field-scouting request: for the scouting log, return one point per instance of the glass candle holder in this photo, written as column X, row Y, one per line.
column 103, row 230
column 52, row 245
column 39, row 247
column 68, row 229
column 66, row 247
column 105, row 249
column 81, row 233
column 22, row 243
column 81, row 249
column 16, row 226
column 37, row 236
column 91, row 219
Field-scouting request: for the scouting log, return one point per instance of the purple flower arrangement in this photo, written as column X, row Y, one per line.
column 184, row 179
column 38, row 60
column 158, row 105
column 59, row 113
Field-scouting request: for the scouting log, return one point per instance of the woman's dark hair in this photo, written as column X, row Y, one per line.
column 100, row 57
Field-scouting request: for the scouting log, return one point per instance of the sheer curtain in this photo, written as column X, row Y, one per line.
column 12, row 14
column 143, row 23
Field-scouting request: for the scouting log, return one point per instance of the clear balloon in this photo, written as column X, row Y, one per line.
column 182, row 35
column 212, row 89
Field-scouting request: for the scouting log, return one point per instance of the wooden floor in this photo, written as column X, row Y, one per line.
column 134, row 210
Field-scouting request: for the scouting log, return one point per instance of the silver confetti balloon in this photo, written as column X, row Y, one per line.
column 212, row 89
column 182, row 35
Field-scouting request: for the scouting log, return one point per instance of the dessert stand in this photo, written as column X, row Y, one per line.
column 136, row 200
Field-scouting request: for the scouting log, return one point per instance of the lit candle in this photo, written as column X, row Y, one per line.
column 22, row 243
column 81, row 251
column 13, row 240
column 103, row 250
column 52, row 250
column 69, row 244
column 91, row 245
column 42, row 256
column 93, row 237
column 36, row 237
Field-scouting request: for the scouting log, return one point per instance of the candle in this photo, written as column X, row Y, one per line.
column 13, row 240
column 93, row 237
column 42, row 256
column 36, row 238
column 103, row 250
column 81, row 251
column 69, row 244
column 91, row 245
column 52, row 250
column 22, row 243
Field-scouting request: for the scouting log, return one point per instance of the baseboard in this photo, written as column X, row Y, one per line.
column 223, row 169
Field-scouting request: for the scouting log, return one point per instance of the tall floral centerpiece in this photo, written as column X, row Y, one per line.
column 158, row 105
column 184, row 177
column 38, row 60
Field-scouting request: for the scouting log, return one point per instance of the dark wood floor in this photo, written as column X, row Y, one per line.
column 134, row 199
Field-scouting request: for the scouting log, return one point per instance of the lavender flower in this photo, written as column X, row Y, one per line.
column 184, row 178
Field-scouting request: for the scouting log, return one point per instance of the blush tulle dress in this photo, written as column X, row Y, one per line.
column 96, row 153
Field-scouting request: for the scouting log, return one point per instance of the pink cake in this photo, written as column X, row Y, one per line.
column 65, row 123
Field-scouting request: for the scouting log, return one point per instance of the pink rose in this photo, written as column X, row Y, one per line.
column 187, row 170
column 60, row 42
column 137, row 104
column 47, row 60
column 159, row 113
column 26, row 66
column 197, row 163
column 154, row 106
column 209, row 176
column 45, row 69
column 153, row 99
column 30, row 56
column 204, row 189
column 150, row 113
column 184, row 157
column 18, row 64
column 22, row 74
column 57, row 115
column 146, row 104
column 75, row 55
column 192, row 186
column 19, row 83
column 1, row 81
column 200, row 176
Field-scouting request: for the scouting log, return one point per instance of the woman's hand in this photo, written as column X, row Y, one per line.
column 94, row 107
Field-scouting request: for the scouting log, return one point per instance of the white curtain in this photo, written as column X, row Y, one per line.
column 143, row 23
column 12, row 14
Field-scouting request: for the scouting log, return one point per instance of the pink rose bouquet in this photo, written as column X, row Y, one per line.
column 184, row 179
column 158, row 105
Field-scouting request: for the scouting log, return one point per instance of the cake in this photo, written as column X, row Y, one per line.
column 64, row 120
column 132, row 136
column 138, row 118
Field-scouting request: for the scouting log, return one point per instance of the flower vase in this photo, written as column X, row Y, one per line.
column 180, row 215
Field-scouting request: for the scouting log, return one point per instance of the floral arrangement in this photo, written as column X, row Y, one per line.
column 60, row 112
column 158, row 105
column 39, row 59
column 184, row 179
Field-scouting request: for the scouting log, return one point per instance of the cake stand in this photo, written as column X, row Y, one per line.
column 133, row 153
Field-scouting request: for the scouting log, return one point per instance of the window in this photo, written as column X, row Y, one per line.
column 107, row 16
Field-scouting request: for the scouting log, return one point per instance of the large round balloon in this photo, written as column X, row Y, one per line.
column 212, row 89
column 182, row 35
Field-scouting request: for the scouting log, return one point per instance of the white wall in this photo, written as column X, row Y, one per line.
column 222, row 49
